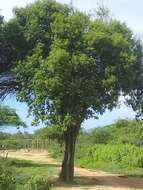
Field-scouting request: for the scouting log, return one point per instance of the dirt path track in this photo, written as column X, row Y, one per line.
column 86, row 179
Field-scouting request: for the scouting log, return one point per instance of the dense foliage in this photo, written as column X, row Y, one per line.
column 85, row 68
column 124, row 156
column 121, row 132
column 9, row 116
column 4, row 136
column 7, row 177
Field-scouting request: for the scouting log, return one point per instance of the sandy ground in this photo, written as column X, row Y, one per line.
column 85, row 179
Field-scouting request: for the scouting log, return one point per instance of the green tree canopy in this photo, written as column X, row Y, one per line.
column 72, row 67
column 8, row 116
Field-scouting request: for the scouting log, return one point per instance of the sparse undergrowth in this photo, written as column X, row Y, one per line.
column 27, row 175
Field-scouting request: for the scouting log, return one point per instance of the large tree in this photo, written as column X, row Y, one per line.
column 74, row 67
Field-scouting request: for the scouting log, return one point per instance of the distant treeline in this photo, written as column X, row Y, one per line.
column 121, row 132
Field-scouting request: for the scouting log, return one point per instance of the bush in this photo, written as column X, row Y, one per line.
column 7, row 178
column 38, row 183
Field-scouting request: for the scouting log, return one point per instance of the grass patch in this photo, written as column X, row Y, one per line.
column 25, row 170
column 111, row 167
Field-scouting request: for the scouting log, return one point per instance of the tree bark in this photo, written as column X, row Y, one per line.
column 67, row 171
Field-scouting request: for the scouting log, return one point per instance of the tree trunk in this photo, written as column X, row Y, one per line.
column 67, row 171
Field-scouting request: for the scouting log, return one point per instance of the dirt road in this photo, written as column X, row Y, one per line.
column 85, row 179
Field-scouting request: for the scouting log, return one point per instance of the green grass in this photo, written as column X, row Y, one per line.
column 130, row 163
column 25, row 170
column 125, row 159
column 112, row 168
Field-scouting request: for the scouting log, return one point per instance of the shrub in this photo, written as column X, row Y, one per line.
column 7, row 178
column 38, row 183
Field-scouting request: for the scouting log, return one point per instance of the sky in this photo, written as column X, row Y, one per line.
column 129, row 11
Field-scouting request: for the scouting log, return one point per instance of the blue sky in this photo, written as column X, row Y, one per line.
column 125, row 10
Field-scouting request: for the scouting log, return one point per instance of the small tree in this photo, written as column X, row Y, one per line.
column 75, row 68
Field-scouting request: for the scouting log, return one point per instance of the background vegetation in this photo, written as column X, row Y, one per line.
column 115, row 148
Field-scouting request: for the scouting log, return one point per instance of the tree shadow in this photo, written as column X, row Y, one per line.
column 26, row 163
column 109, row 181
